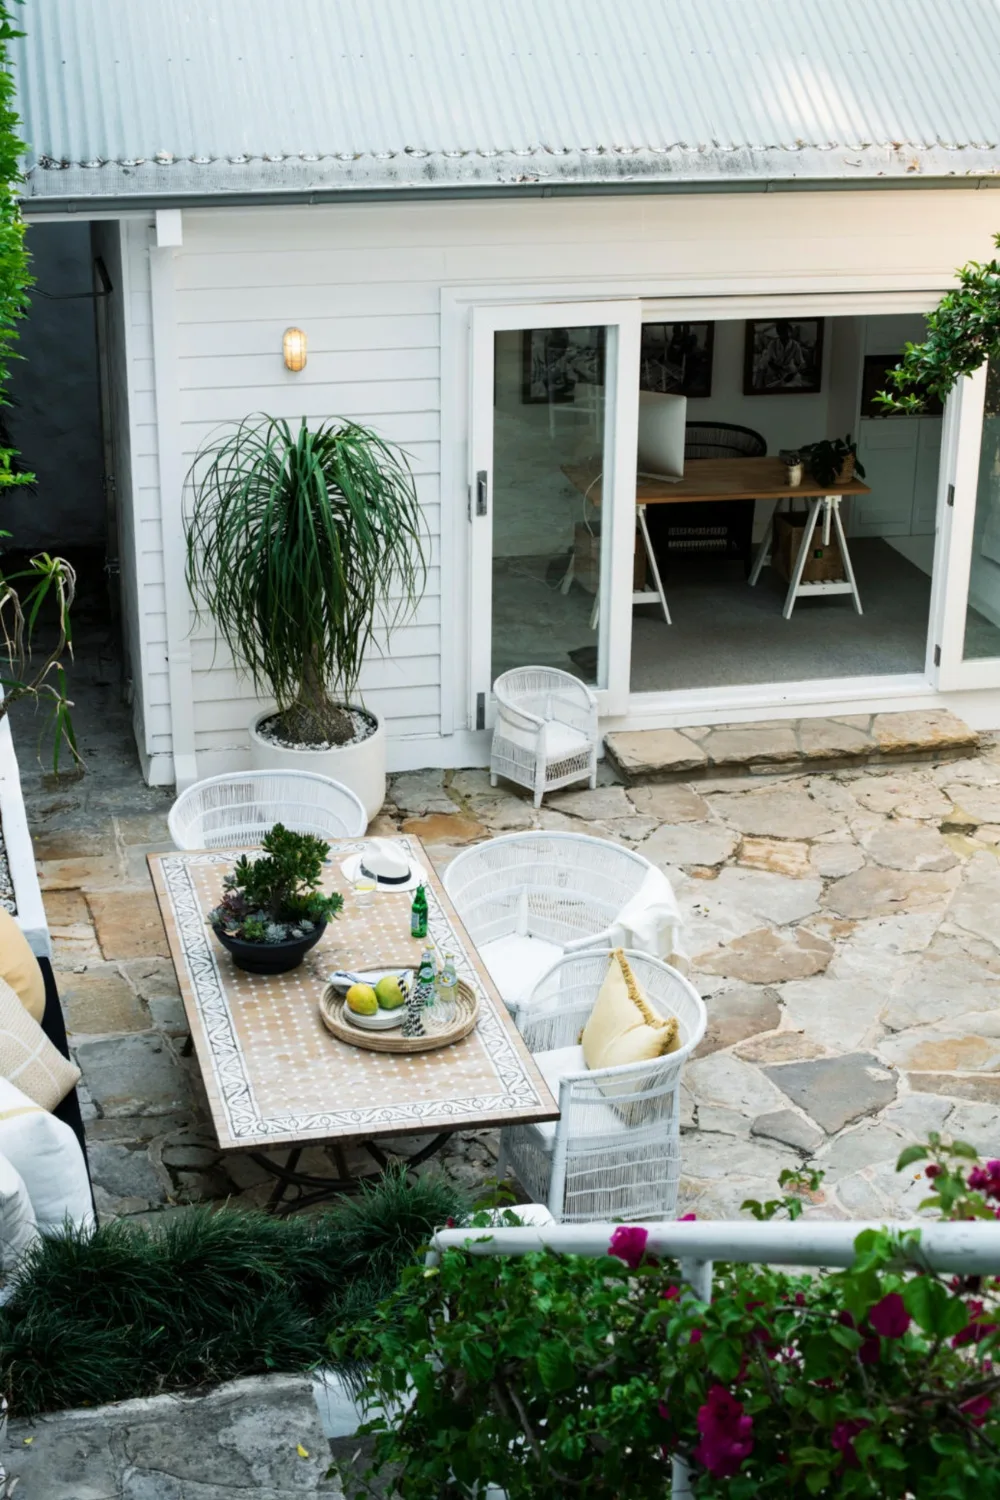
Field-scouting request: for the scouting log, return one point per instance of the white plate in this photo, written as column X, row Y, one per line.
column 418, row 875
column 382, row 1020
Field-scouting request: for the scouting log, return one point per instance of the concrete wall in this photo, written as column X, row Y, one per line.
column 55, row 421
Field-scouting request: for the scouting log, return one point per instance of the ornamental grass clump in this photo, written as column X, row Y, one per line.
column 125, row 1310
column 564, row 1375
column 274, row 897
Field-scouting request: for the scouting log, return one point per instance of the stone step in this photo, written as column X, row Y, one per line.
column 789, row 745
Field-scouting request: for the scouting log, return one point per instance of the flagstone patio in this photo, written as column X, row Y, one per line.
column 843, row 927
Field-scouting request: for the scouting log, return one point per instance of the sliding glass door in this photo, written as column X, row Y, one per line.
column 552, row 494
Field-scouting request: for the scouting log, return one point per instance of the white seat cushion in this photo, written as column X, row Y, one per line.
column 48, row 1157
column 557, row 1064
column 516, row 964
column 560, row 741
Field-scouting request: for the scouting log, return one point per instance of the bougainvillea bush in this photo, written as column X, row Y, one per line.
column 556, row 1375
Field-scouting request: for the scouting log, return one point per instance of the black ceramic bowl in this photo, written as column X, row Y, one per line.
column 270, row 958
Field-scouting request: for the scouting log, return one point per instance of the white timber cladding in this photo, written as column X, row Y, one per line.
column 367, row 283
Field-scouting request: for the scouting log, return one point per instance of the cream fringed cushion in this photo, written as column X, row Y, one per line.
column 27, row 1057
column 623, row 1028
column 19, row 967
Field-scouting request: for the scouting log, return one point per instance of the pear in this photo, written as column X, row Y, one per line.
column 362, row 1000
column 389, row 993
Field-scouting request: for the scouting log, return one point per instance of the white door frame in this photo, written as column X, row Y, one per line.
column 622, row 320
column 961, row 447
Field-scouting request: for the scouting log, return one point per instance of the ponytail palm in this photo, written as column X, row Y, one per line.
column 301, row 545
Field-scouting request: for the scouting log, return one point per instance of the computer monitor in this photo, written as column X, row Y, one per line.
column 662, row 423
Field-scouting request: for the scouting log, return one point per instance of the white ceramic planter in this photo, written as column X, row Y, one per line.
column 360, row 767
column 20, row 855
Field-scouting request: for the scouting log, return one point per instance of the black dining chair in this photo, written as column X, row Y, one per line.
column 721, row 528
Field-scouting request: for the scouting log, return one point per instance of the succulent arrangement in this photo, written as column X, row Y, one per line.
column 274, row 897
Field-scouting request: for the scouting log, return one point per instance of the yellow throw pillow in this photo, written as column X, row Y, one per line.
column 19, row 966
column 623, row 1028
column 27, row 1057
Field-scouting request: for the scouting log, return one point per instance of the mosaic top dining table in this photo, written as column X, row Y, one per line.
column 274, row 1075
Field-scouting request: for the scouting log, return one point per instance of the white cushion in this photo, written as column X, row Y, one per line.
column 18, row 1227
column 47, row 1155
column 560, row 1063
column 560, row 741
column 517, row 963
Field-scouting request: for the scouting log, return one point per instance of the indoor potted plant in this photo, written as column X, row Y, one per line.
column 834, row 461
column 297, row 544
column 272, row 909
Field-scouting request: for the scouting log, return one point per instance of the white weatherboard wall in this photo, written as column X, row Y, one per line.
column 365, row 282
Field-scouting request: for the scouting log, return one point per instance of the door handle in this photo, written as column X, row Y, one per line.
column 482, row 493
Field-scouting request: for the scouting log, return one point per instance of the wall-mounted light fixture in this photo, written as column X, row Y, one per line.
column 293, row 348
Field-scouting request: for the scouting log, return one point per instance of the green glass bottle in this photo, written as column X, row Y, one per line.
column 418, row 914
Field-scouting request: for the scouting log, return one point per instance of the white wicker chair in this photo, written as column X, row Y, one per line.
column 528, row 898
column 546, row 730
column 236, row 810
column 614, row 1152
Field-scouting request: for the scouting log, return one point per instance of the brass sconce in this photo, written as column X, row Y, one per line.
column 293, row 349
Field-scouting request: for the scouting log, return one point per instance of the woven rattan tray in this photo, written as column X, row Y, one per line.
column 332, row 1007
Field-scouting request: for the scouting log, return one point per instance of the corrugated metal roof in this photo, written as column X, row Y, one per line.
column 182, row 97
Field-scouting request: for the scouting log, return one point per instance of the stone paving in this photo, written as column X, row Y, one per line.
column 843, row 927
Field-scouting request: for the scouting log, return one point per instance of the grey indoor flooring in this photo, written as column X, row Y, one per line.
column 725, row 633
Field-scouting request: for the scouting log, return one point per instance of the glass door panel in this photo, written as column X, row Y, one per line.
column 552, row 456
column 548, row 456
column 982, row 613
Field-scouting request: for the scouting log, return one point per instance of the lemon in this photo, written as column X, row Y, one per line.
column 362, row 1000
column 388, row 993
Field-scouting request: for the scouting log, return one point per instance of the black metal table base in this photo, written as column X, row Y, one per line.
column 313, row 1189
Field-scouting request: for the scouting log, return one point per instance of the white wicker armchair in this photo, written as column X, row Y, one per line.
column 528, row 898
column 236, row 810
column 614, row 1152
column 546, row 730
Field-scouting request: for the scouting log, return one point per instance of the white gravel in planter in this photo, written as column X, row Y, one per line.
column 365, row 726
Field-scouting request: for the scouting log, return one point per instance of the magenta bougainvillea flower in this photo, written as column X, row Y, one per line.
column 973, row 1330
column 686, row 1218
column 889, row 1317
column 978, row 1409
column 628, row 1243
column 842, row 1439
column 726, row 1434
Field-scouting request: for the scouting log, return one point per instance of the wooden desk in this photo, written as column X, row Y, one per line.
column 708, row 479
column 714, row 479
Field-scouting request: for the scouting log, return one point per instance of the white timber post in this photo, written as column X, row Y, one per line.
column 169, row 236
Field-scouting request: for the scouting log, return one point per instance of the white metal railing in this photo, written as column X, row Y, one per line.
column 970, row 1249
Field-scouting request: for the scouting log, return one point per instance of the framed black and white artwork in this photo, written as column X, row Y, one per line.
column 783, row 357
column 677, row 358
column 556, row 360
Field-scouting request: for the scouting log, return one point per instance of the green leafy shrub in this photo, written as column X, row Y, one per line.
column 562, row 1375
column 963, row 332
column 276, row 896
column 126, row 1311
